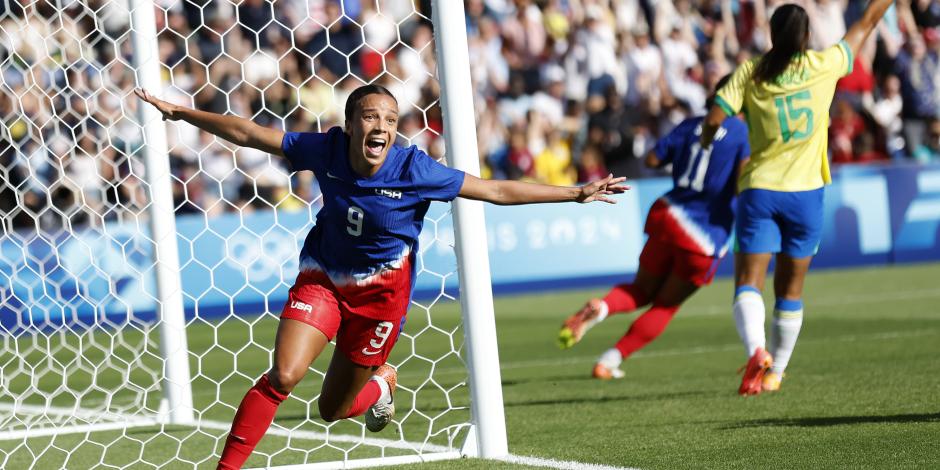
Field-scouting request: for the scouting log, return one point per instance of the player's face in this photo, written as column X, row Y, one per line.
column 372, row 132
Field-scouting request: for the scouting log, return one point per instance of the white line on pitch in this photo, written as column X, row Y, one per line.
column 559, row 464
column 705, row 350
column 812, row 302
column 322, row 436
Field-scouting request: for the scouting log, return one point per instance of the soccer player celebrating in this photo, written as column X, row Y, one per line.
column 688, row 230
column 357, row 264
column 785, row 95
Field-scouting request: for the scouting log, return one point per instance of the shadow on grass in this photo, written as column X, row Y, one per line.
column 548, row 379
column 838, row 421
column 553, row 401
column 612, row 398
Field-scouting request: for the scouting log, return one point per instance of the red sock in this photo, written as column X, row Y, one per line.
column 625, row 298
column 645, row 329
column 252, row 420
column 366, row 398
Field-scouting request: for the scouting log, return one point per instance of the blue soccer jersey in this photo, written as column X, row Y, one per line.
column 702, row 203
column 367, row 225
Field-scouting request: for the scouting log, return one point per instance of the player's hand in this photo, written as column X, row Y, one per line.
column 166, row 108
column 600, row 189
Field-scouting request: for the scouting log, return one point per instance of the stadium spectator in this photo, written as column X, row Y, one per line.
column 929, row 151
column 926, row 13
column 605, row 76
column 845, row 127
column 592, row 164
column 917, row 68
column 885, row 110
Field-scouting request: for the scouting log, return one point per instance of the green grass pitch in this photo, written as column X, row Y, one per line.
column 862, row 389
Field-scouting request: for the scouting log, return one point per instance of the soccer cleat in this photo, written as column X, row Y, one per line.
column 573, row 329
column 608, row 365
column 380, row 414
column 754, row 372
column 603, row 372
column 771, row 382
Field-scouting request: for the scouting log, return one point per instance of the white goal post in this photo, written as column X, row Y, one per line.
column 131, row 331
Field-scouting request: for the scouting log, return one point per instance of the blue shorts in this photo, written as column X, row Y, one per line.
column 779, row 222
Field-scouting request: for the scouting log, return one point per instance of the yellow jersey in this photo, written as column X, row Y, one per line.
column 788, row 119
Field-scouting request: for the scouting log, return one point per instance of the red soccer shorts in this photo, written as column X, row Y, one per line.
column 662, row 258
column 366, row 341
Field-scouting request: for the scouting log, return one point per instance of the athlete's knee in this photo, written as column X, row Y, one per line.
column 285, row 379
column 329, row 412
column 645, row 288
column 668, row 302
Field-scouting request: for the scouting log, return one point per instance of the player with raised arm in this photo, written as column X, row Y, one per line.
column 357, row 264
column 688, row 230
column 785, row 95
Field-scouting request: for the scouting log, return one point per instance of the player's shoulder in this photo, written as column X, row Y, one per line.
column 745, row 69
column 314, row 150
column 406, row 161
column 407, row 156
column 334, row 139
column 835, row 55
column 332, row 134
column 734, row 124
column 690, row 125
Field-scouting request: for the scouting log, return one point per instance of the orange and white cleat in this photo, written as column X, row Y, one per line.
column 771, row 381
column 574, row 328
column 754, row 370
column 608, row 366
column 380, row 414
column 603, row 372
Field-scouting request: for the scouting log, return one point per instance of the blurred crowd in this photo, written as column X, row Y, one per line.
column 564, row 90
column 568, row 90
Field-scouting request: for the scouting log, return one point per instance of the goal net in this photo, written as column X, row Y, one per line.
column 143, row 264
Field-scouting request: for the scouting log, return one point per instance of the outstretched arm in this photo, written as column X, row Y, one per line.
column 237, row 130
column 517, row 192
column 859, row 31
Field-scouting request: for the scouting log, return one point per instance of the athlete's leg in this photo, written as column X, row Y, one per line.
column 750, row 272
column 651, row 323
column 789, row 276
column 656, row 262
column 345, row 381
column 362, row 347
column 296, row 346
column 310, row 318
column 689, row 272
column 627, row 297
column 622, row 298
column 757, row 237
column 801, row 229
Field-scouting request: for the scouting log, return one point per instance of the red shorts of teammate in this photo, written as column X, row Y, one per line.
column 347, row 313
column 661, row 256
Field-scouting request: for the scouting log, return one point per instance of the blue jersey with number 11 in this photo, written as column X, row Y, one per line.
column 702, row 203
